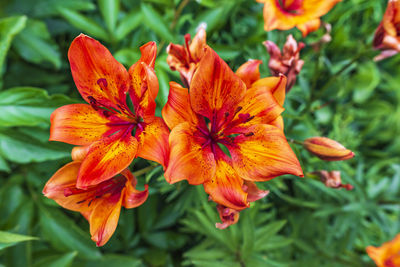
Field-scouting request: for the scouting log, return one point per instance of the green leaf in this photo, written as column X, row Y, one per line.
column 28, row 106
column 156, row 23
column 83, row 23
column 49, row 7
column 4, row 165
column 109, row 10
column 130, row 22
column 64, row 235
column 113, row 260
column 34, row 44
column 214, row 18
column 20, row 148
column 57, row 260
column 9, row 239
column 9, row 27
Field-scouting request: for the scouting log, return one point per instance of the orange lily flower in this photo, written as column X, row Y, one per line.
column 114, row 133
column 387, row 36
column 185, row 58
column 221, row 133
column 327, row 149
column 303, row 14
column 332, row 179
column 387, row 255
column 288, row 63
column 99, row 204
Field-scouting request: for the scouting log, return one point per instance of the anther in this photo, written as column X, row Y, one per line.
column 93, row 102
column 248, row 134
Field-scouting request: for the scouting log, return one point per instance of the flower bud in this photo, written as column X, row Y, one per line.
column 228, row 216
column 387, row 35
column 327, row 149
column 288, row 62
column 332, row 179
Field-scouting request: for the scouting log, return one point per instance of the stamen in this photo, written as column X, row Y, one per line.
column 93, row 102
column 248, row 134
column 187, row 40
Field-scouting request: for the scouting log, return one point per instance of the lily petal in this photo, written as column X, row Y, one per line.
column 276, row 85
column 107, row 158
column 253, row 192
column 66, row 178
column 187, row 159
column 153, row 142
column 225, row 187
column 177, row 109
column 133, row 197
column 215, row 90
column 249, row 72
column 262, row 153
column 144, row 88
column 78, row 124
column 309, row 26
column 97, row 75
column 103, row 219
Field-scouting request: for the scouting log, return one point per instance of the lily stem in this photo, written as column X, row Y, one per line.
column 144, row 170
column 295, row 142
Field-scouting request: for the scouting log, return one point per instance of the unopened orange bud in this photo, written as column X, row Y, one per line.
column 332, row 179
column 327, row 149
column 78, row 153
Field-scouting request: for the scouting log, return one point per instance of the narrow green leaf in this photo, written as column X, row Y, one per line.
column 109, row 10
column 35, row 45
column 20, row 148
column 64, row 235
column 9, row 27
column 57, row 260
column 28, row 106
column 83, row 23
column 9, row 239
column 130, row 22
column 113, row 260
column 156, row 23
column 44, row 8
column 4, row 165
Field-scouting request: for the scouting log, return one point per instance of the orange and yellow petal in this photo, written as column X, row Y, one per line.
column 106, row 158
column 97, row 74
column 215, row 90
column 262, row 153
column 177, row 109
column 276, row 85
column 145, row 86
column 253, row 192
column 63, row 179
column 309, row 26
column 78, row 124
column 132, row 197
column 103, row 219
column 292, row 13
column 197, row 45
column 259, row 104
column 153, row 142
column 188, row 160
column 78, row 153
column 226, row 187
column 249, row 72
column 386, row 255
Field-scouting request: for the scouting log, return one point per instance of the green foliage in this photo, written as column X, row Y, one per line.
column 340, row 93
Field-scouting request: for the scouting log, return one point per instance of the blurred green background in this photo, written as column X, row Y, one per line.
column 340, row 93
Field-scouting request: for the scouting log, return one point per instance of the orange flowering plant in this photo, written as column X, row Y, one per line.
column 387, row 255
column 226, row 133
column 98, row 182
column 114, row 133
column 303, row 14
column 100, row 204
column 387, row 35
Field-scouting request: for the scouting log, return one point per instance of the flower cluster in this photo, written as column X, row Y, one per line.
column 221, row 129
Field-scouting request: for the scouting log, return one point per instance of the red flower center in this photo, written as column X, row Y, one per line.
column 113, row 187
column 290, row 6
